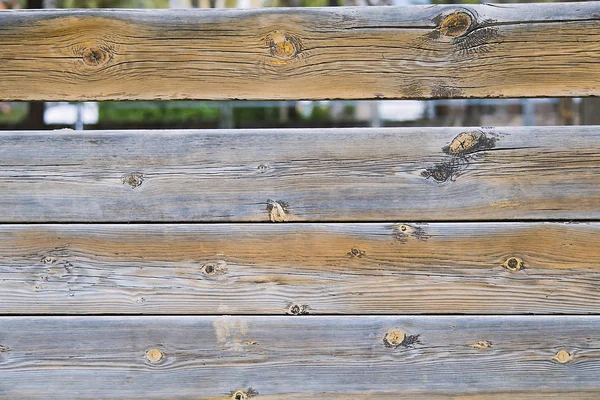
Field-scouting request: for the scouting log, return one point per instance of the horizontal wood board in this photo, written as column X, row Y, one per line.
column 403, row 268
column 492, row 50
column 384, row 174
column 299, row 357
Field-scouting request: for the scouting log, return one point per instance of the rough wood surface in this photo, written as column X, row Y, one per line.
column 486, row 268
column 299, row 357
column 508, row 50
column 388, row 174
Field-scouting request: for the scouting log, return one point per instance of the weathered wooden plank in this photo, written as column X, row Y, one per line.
column 447, row 268
column 514, row 50
column 388, row 174
column 299, row 357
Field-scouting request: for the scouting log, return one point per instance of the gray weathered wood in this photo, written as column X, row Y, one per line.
column 508, row 50
column 299, row 357
column 300, row 268
column 389, row 174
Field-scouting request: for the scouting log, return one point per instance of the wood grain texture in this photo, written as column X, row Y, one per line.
column 387, row 174
column 509, row 50
column 478, row 268
column 299, row 357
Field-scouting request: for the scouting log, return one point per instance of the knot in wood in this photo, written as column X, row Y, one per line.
column 442, row 172
column 209, row 268
column 133, row 180
column 482, row 344
column 469, row 142
column 403, row 232
column 239, row 395
column 154, row 355
column 283, row 46
column 213, row 268
column 278, row 210
column 243, row 394
column 513, row 264
column 456, row 24
column 94, row 56
column 263, row 167
column 562, row 357
column 356, row 252
column 49, row 260
column 298, row 309
column 394, row 338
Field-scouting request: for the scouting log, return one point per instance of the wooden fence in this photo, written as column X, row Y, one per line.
column 376, row 263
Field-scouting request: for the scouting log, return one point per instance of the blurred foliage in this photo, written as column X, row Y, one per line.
column 113, row 3
column 349, row 112
column 314, row 3
column 242, row 114
column 12, row 113
column 297, row 3
column 497, row 1
column 165, row 3
column 10, row 4
column 319, row 113
column 154, row 111
column 160, row 112
column 454, row 2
